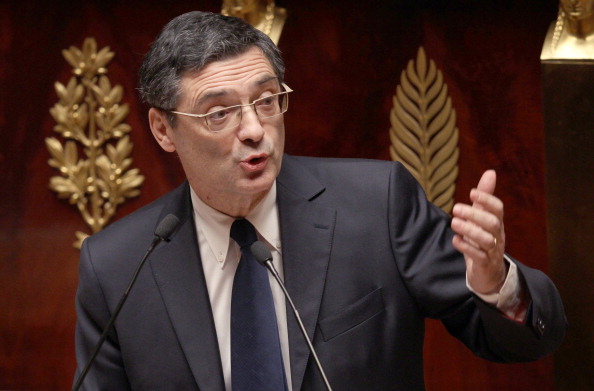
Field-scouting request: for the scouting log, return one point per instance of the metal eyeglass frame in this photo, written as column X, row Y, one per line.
column 283, row 109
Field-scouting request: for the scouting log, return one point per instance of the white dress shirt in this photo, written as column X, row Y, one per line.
column 220, row 255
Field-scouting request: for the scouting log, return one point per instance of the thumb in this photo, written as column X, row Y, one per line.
column 487, row 182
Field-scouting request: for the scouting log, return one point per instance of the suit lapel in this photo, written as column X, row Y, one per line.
column 306, row 233
column 179, row 275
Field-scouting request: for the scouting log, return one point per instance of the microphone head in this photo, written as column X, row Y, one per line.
column 261, row 252
column 167, row 227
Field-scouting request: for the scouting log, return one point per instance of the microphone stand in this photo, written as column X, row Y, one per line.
column 264, row 257
column 165, row 229
column 270, row 267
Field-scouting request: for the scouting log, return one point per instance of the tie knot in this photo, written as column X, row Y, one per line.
column 243, row 232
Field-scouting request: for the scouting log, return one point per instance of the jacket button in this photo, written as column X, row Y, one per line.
column 540, row 325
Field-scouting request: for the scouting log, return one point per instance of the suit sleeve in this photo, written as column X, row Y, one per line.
column 107, row 372
column 435, row 275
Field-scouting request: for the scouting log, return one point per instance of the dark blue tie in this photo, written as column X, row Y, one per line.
column 256, row 358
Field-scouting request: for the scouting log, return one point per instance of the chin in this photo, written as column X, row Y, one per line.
column 259, row 185
column 262, row 187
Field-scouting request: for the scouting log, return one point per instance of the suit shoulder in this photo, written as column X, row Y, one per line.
column 138, row 225
column 345, row 170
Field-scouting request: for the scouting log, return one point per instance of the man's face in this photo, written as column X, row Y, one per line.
column 238, row 162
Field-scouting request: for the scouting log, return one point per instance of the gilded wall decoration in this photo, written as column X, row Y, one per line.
column 264, row 15
column 424, row 135
column 94, row 162
column 571, row 36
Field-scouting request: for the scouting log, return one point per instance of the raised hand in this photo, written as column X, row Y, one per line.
column 481, row 236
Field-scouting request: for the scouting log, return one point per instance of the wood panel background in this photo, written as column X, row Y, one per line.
column 344, row 60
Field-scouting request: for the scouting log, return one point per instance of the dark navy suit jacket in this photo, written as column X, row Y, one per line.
column 366, row 258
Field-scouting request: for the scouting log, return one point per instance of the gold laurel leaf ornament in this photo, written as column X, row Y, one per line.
column 423, row 133
column 94, row 161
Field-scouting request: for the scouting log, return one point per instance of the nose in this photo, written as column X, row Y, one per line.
column 250, row 127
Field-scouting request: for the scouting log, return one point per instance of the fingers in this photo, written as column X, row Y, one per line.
column 486, row 201
column 469, row 249
column 476, row 226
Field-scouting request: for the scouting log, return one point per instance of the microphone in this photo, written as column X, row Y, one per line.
column 163, row 233
column 264, row 257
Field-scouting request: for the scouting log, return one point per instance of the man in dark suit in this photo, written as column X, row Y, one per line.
column 364, row 255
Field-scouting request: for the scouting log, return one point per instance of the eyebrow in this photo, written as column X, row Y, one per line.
column 217, row 93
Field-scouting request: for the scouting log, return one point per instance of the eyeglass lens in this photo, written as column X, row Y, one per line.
column 230, row 117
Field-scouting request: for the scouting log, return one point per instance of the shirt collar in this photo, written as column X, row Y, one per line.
column 215, row 226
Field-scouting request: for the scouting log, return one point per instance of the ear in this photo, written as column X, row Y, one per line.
column 161, row 129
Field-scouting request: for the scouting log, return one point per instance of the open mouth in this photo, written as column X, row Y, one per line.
column 255, row 160
column 255, row 163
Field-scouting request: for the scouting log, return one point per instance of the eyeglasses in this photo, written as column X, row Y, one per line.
column 230, row 117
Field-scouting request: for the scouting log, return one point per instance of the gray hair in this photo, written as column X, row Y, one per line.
column 191, row 41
